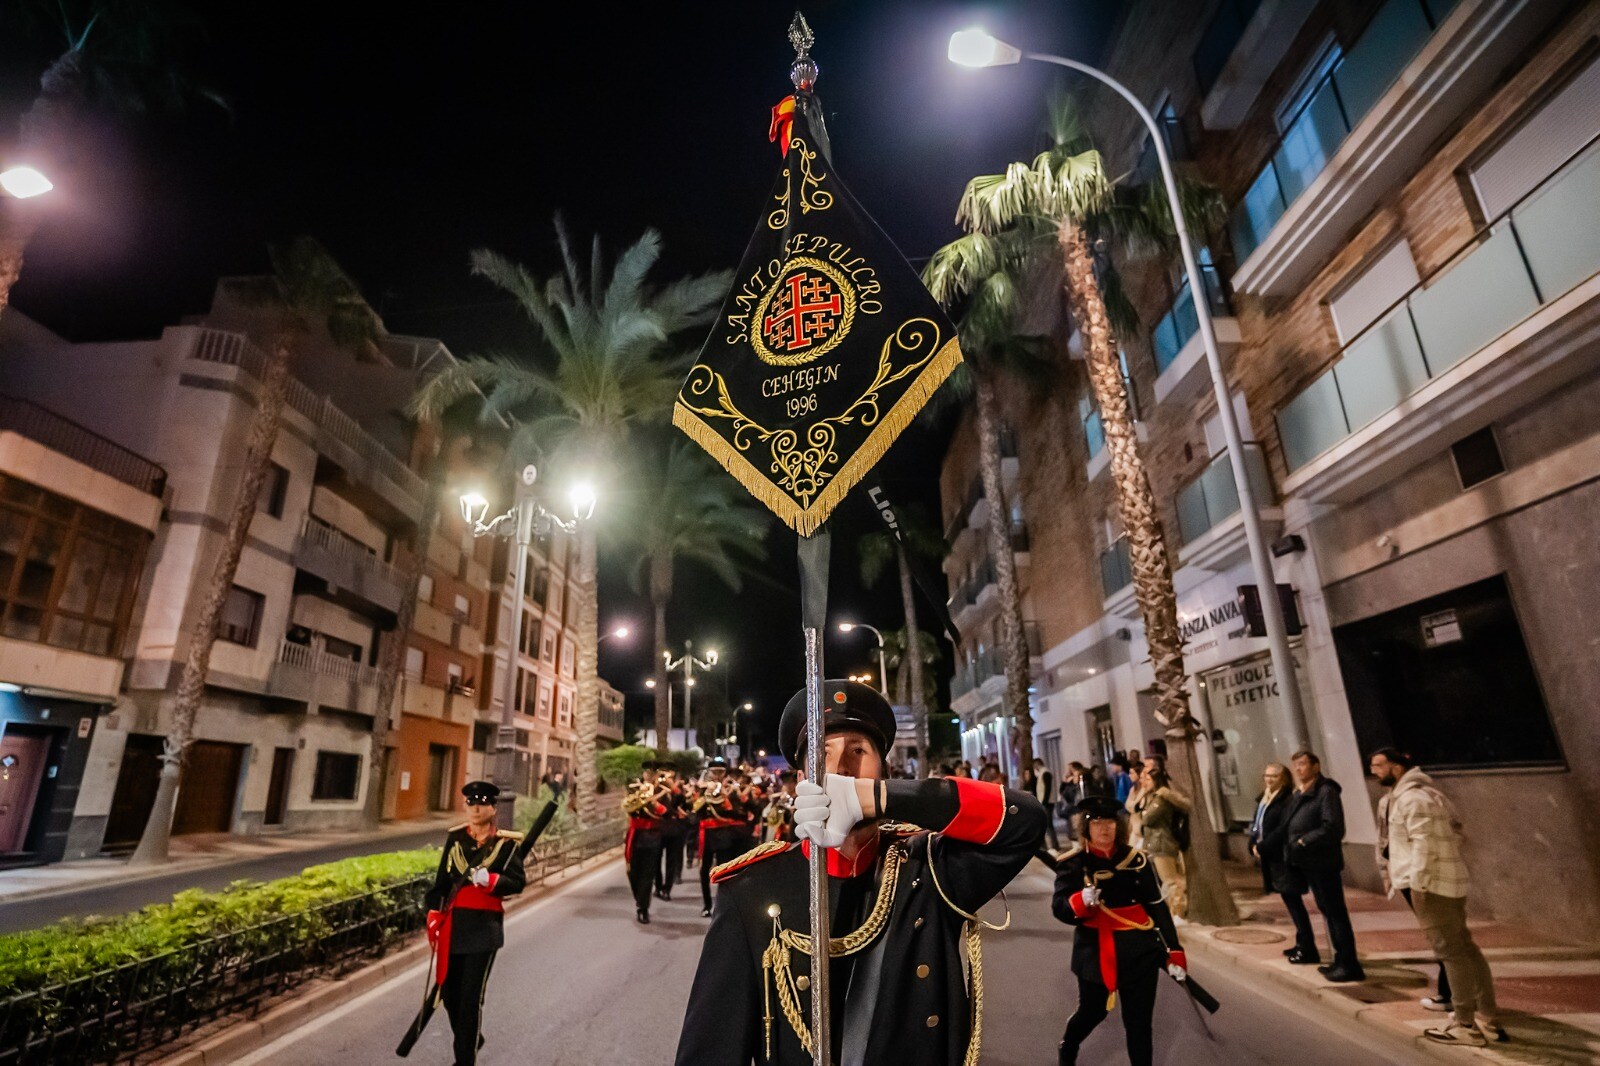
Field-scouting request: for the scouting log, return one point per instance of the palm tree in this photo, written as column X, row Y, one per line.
column 875, row 550
column 602, row 363
column 307, row 290
column 686, row 508
column 1066, row 193
column 982, row 273
column 115, row 54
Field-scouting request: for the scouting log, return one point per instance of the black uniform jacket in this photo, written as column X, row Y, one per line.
column 917, row 1009
column 1125, row 878
column 474, row 929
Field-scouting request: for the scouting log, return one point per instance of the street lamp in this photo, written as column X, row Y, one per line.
column 975, row 48
column 883, row 666
column 620, row 632
column 24, row 182
column 526, row 518
column 689, row 663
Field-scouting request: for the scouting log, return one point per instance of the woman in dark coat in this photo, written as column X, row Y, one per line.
column 1269, row 828
column 1124, row 932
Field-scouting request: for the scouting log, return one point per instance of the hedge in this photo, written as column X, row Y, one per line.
column 76, row 947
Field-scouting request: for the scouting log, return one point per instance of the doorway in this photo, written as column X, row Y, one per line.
column 1102, row 734
column 441, row 775
column 23, row 754
column 135, row 793
column 278, row 786
column 210, row 785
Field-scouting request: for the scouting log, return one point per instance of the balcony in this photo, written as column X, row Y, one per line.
column 340, row 437
column 66, row 437
column 309, row 675
column 1182, row 375
column 1211, row 536
column 1239, row 50
column 1376, row 115
column 351, row 569
column 1508, row 318
column 1116, row 568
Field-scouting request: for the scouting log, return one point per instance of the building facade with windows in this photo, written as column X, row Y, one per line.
column 283, row 735
column 1408, row 292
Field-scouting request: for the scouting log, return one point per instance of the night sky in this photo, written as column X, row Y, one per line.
column 402, row 141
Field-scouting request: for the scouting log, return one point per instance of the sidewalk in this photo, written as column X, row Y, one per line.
column 1548, row 992
column 195, row 853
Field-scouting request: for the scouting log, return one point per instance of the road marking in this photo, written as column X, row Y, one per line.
column 288, row 1040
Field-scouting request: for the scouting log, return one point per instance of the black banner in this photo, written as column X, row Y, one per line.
column 826, row 349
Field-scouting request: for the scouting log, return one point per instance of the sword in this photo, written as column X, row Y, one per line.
column 435, row 989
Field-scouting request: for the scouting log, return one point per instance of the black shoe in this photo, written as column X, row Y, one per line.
column 1303, row 958
column 643, row 917
column 1342, row 974
column 1290, row 951
column 705, row 912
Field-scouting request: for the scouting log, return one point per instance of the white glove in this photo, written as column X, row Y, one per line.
column 826, row 814
column 1091, row 896
column 480, row 877
column 1178, row 972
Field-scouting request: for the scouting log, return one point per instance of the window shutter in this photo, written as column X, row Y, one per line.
column 1551, row 136
column 1380, row 284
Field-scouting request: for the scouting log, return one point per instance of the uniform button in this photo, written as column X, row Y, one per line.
column 917, row 924
column 1011, row 809
column 933, row 1020
column 915, row 881
column 922, row 971
column 802, row 982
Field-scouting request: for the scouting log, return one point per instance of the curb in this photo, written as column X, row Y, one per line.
column 181, row 866
column 1351, row 1017
column 249, row 1034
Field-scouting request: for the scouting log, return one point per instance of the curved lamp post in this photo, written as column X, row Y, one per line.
column 975, row 48
column 883, row 666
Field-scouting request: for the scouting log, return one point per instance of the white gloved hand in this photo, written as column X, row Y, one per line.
column 480, row 877
column 1178, row 972
column 1091, row 896
column 826, row 814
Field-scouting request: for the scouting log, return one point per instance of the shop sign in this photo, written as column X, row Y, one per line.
column 1224, row 612
column 1440, row 628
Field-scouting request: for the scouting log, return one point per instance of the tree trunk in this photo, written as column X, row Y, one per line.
column 660, row 596
column 912, row 664
column 1210, row 901
column 40, row 133
column 14, row 234
column 1013, row 638
column 588, row 716
column 394, row 650
column 153, row 843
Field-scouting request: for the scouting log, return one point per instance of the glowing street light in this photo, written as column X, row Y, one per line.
column 975, row 48
column 883, row 665
column 24, row 182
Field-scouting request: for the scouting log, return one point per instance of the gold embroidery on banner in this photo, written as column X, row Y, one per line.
column 848, row 302
column 803, row 467
column 813, row 197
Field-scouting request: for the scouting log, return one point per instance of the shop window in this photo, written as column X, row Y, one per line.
column 1448, row 679
column 338, row 774
column 274, row 490
column 241, row 617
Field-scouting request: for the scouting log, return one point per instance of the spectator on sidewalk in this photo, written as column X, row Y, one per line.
column 1094, row 782
column 1314, row 856
column 1163, row 813
column 1121, row 780
column 1043, row 788
column 1440, row 1000
column 1425, row 865
column 1268, row 827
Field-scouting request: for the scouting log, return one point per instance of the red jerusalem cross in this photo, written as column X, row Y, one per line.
column 801, row 323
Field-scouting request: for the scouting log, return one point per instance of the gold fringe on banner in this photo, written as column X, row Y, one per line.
column 806, row 520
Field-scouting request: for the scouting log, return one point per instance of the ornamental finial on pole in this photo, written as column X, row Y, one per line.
column 803, row 71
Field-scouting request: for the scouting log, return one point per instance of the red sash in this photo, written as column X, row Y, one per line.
column 468, row 897
column 636, row 825
column 1108, row 922
column 714, row 823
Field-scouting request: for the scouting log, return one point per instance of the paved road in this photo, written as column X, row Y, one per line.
column 580, row 983
column 121, row 898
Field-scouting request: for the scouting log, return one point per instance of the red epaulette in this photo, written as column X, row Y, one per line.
column 721, row 873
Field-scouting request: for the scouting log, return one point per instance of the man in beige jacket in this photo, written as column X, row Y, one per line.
column 1424, row 843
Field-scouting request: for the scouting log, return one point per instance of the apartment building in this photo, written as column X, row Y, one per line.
column 1407, row 303
column 77, row 517
column 613, row 707
column 283, row 733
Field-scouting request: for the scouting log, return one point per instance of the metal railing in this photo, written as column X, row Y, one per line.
column 335, row 542
column 1334, row 106
column 1539, row 249
column 1180, row 322
column 235, row 349
column 44, row 426
column 1212, row 496
column 123, row 1013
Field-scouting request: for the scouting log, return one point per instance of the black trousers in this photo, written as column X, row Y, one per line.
column 721, row 846
column 644, row 867
column 1136, row 997
column 671, row 871
column 1327, row 889
column 464, row 983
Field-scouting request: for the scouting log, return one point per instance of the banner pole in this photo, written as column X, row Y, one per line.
column 816, row 757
